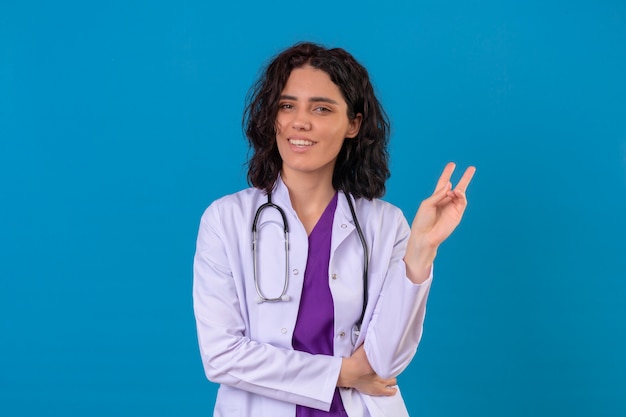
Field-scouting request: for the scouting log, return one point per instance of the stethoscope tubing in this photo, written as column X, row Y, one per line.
column 283, row 296
column 365, row 263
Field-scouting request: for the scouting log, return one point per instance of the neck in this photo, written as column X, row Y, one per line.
column 309, row 195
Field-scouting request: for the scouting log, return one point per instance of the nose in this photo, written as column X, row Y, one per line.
column 301, row 121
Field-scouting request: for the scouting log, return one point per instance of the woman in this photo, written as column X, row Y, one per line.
column 321, row 319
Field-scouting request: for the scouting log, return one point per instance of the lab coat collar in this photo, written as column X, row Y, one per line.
column 343, row 223
column 280, row 195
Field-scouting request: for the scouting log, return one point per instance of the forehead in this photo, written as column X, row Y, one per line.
column 311, row 82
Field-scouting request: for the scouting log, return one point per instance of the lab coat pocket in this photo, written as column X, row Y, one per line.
column 229, row 402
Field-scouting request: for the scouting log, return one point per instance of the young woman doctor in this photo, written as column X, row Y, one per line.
column 319, row 315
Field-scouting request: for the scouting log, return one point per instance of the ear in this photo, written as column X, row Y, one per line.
column 354, row 126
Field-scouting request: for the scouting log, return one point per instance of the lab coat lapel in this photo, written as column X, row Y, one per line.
column 343, row 224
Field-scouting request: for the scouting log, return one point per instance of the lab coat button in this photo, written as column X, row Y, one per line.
column 343, row 226
column 283, row 330
column 342, row 334
column 334, row 276
column 295, row 272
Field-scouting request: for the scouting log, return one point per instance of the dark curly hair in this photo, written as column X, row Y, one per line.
column 362, row 164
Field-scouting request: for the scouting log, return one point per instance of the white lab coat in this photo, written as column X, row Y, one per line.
column 246, row 346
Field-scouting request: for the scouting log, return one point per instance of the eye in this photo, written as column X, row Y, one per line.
column 285, row 106
column 322, row 109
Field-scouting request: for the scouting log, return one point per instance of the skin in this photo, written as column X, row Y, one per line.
column 435, row 220
column 311, row 125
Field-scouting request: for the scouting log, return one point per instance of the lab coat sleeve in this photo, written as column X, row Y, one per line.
column 228, row 355
column 395, row 328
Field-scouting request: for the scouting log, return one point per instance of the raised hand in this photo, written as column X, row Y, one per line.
column 435, row 220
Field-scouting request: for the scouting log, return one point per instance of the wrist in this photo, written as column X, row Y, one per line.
column 420, row 263
column 344, row 380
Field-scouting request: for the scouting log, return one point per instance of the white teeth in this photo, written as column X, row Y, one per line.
column 300, row 142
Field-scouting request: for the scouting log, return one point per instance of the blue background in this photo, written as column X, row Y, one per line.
column 120, row 123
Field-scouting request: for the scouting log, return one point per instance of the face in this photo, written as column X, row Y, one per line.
column 312, row 123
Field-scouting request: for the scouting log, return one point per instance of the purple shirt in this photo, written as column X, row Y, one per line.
column 315, row 325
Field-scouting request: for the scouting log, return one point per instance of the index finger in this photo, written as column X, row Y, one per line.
column 445, row 175
column 465, row 179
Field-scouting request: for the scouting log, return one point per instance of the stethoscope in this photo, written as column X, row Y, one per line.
column 283, row 296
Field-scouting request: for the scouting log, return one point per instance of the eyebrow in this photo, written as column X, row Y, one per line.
column 312, row 99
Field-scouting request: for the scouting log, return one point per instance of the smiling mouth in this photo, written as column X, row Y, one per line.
column 301, row 142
